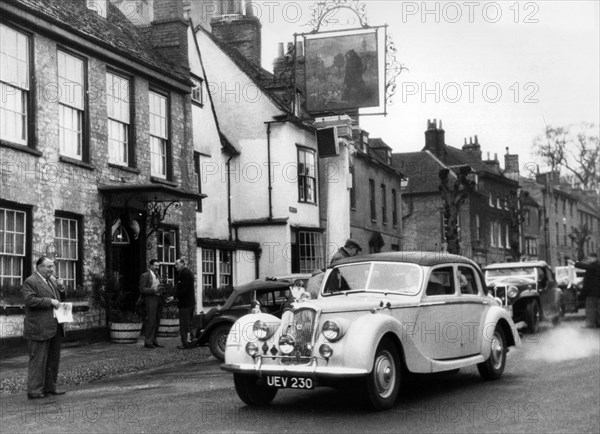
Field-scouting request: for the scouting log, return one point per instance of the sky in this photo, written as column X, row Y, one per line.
column 498, row 70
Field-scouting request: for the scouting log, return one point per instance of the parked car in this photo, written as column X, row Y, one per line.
column 570, row 281
column 376, row 318
column 528, row 290
column 271, row 295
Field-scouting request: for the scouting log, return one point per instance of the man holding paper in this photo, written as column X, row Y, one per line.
column 43, row 293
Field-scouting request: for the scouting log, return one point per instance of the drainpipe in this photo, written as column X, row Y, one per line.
column 269, row 163
column 229, row 197
column 270, row 188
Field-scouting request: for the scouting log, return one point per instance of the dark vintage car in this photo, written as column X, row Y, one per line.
column 528, row 290
column 272, row 294
column 377, row 318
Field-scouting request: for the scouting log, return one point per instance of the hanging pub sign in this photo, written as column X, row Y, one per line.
column 342, row 72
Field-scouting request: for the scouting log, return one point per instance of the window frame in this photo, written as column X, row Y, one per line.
column 200, row 85
column 131, row 148
column 29, row 98
column 78, row 263
column 198, row 173
column 394, row 208
column 383, row 204
column 215, row 275
column 28, row 237
column 85, row 152
column 372, row 200
column 302, row 185
column 167, row 266
column 167, row 139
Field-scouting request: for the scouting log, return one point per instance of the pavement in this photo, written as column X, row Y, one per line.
column 83, row 363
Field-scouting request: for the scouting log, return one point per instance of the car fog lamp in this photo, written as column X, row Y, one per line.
column 331, row 330
column 326, row 351
column 251, row 349
column 261, row 330
column 512, row 291
column 287, row 344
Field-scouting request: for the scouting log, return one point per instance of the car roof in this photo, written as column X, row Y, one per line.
column 419, row 257
column 515, row 265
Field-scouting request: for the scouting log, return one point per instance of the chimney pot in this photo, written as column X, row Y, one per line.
column 495, row 156
column 476, row 140
column 280, row 49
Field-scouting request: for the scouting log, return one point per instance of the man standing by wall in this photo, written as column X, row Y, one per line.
column 151, row 290
column 186, row 302
column 351, row 248
column 42, row 293
column 591, row 289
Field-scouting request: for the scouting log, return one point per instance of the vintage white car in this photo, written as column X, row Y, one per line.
column 376, row 317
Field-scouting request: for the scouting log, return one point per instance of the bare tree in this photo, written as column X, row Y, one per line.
column 579, row 236
column 575, row 149
column 453, row 197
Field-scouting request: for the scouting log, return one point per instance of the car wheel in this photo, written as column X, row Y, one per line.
column 252, row 390
column 493, row 367
column 383, row 383
column 218, row 341
column 532, row 317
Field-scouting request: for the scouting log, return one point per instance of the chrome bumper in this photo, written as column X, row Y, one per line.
column 308, row 370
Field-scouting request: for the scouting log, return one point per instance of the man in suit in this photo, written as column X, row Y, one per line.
column 152, row 291
column 42, row 293
column 186, row 302
column 591, row 289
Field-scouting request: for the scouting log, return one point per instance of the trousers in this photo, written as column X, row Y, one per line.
column 44, row 358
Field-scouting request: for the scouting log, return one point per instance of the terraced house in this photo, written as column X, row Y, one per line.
column 95, row 143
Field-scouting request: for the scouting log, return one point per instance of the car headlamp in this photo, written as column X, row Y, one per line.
column 261, row 330
column 251, row 349
column 512, row 291
column 287, row 344
column 331, row 330
column 326, row 351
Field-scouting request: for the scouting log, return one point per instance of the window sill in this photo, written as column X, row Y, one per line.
column 163, row 181
column 22, row 148
column 75, row 162
column 124, row 168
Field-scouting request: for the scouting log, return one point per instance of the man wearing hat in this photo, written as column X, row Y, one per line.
column 351, row 248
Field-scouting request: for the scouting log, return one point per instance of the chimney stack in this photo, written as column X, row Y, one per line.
column 239, row 28
column 168, row 32
column 435, row 139
column 511, row 166
column 473, row 147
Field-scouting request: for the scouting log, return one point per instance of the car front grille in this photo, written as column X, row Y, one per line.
column 302, row 330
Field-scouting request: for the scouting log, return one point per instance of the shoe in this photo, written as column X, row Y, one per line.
column 35, row 395
column 149, row 346
column 184, row 347
column 157, row 345
column 55, row 392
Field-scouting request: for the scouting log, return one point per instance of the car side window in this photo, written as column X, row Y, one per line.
column 441, row 282
column 467, row 280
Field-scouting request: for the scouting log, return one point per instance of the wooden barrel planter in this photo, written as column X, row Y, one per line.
column 124, row 333
column 168, row 327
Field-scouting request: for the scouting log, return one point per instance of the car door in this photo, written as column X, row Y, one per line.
column 439, row 316
column 473, row 309
column 548, row 291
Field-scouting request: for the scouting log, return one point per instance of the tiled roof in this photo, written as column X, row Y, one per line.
column 116, row 33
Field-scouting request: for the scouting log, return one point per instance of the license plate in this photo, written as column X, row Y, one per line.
column 281, row 382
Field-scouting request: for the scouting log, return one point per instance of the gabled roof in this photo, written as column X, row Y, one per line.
column 116, row 33
column 262, row 78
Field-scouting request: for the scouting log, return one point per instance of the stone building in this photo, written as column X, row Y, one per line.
column 484, row 220
column 563, row 211
column 95, row 146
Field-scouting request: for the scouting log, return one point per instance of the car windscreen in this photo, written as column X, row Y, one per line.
column 494, row 274
column 391, row 277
